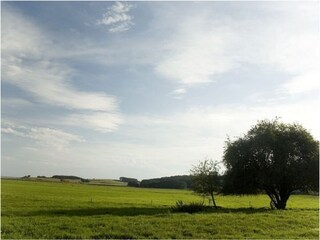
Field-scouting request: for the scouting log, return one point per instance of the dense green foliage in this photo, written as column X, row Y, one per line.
column 51, row 210
column 275, row 158
column 173, row 182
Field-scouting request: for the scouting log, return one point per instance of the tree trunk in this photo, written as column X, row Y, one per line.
column 281, row 205
column 213, row 201
column 277, row 202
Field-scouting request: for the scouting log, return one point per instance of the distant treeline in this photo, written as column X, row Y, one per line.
column 173, row 182
column 66, row 177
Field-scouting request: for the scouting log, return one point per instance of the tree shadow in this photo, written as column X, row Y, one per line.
column 218, row 210
column 239, row 210
column 121, row 211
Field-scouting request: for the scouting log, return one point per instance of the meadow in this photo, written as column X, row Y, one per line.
column 55, row 210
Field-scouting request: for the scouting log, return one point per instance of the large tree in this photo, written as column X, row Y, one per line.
column 206, row 179
column 275, row 158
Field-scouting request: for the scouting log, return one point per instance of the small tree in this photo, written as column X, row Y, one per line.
column 206, row 178
column 275, row 158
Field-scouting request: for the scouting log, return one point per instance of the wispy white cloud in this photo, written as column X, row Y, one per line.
column 294, row 51
column 201, row 47
column 10, row 130
column 304, row 82
column 100, row 121
column 21, row 38
column 287, row 43
column 29, row 62
column 53, row 137
column 43, row 136
column 49, row 82
column 117, row 17
column 196, row 55
column 179, row 93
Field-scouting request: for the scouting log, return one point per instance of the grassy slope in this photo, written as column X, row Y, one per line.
column 65, row 210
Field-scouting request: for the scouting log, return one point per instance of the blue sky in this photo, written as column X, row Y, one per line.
column 147, row 89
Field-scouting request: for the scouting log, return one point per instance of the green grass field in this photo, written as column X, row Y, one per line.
column 49, row 210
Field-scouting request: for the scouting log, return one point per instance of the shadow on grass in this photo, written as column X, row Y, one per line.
column 239, row 210
column 124, row 211
column 212, row 210
column 136, row 211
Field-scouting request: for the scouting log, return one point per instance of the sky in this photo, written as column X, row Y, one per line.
column 149, row 89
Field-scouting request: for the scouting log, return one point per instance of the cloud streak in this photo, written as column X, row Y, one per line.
column 43, row 136
column 28, row 62
column 99, row 121
column 117, row 17
column 49, row 82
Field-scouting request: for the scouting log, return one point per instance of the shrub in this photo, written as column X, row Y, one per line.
column 192, row 207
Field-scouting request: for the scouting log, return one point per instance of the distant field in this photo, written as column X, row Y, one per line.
column 105, row 182
column 48, row 210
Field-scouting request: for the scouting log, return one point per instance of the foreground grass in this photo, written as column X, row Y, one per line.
column 64, row 210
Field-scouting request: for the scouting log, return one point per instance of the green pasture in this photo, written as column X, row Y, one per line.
column 49, row 210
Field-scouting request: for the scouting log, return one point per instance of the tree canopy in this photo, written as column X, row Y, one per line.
column 275, row 158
